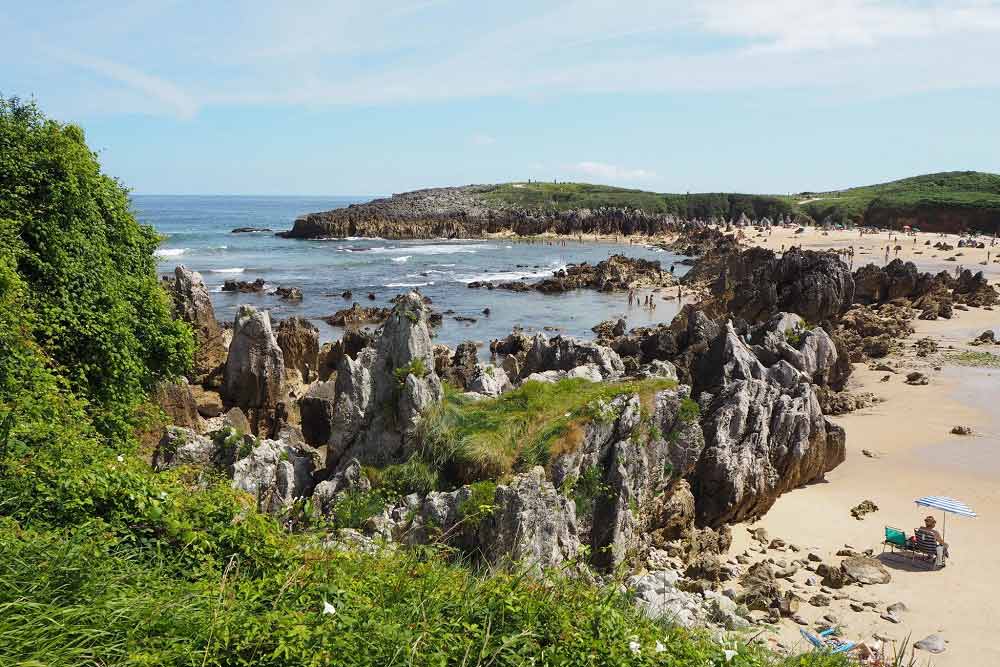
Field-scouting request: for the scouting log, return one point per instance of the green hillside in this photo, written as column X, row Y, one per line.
column 566, row 196
column 951, row 200
column 961, row 191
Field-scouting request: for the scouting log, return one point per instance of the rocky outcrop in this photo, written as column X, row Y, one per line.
column 765, row 434
column 755, row 284
column 193, row 304
column 178, row 403
column 255, row 368
column 316, row 409
column 350, row 344
column 357, row 314
column 256, row 287
column 462, row 366
column 973, row 289
column 540, row 354
column 638, row 464
column 298, row 339
column 469, row 212
column 618, row 272
column 181, row 446
column 526, row 520
column 872, row 332
column 380, row 395
column 276, row 473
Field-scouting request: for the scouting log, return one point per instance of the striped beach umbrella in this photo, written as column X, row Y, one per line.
column 946, row 505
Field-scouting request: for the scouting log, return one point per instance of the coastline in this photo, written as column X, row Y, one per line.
column 909, row 432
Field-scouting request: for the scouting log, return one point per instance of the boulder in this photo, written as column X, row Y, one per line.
column 489, row 380
column 349, row 479
column 255, row 368
column 208, row 402
column 931, row 643
column 865, row 570
column 275, row 473
column 298, row 339
column 182, row 446
column 657, row 596
column 177, row 402
column 193, row 304
column 589, row 372
column 316, row 408
column 563, row 353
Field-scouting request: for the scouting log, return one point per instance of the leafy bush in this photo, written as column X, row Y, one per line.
column 86, row 266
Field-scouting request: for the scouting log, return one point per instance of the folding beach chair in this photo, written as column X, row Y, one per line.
column 826, row 644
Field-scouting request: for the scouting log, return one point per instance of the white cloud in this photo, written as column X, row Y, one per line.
column 611, row 173
column 166, row 95
column 377, row 52
column 480, row 139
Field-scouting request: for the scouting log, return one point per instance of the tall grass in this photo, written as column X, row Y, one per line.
column 476, row 440
column 73, row 599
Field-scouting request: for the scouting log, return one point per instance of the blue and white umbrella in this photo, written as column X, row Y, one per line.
column 947, row 505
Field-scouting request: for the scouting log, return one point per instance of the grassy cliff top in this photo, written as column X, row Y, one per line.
column 958, row 189
column 952, row 189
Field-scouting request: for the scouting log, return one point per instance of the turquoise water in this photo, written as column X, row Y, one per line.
column 198, row 235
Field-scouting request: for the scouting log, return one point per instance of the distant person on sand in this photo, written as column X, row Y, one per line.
column 942, row 546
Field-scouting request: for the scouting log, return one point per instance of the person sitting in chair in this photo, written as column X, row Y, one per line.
column 930, row 537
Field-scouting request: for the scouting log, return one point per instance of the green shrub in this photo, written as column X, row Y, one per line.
column 87, row 269
column 415, row 367
column 689, row 411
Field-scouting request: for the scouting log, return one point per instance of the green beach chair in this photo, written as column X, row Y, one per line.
column 894, row 539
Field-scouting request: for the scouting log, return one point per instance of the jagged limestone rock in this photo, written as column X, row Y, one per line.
column 255, row 368
column 193, row 304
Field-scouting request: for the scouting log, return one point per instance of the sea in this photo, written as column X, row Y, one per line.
column 197, row 233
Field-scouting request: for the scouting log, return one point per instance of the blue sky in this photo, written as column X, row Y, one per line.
column 376, row 97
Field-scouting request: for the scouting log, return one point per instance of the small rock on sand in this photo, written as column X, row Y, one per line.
column 931, row 644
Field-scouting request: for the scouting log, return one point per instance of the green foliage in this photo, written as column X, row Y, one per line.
column 415, row 475
column 565, row 196
column 474, row 440
column 354, row 508
column 689, row 411
column 480, row 504
column 587, row 490
column 73, row 598
column 417, row 367
column 958, row 191
column 86, row 268
column 794, row 335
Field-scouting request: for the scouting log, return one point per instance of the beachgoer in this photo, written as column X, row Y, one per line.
column 942, row 546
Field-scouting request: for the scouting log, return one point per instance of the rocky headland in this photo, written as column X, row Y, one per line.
column 466, row 212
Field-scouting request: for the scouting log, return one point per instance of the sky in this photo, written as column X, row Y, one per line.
column 373, row 97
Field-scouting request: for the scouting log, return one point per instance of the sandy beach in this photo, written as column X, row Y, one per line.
column 915, row 454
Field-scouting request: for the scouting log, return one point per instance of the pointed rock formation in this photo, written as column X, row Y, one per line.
column 193, row 305
column 255, row 369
